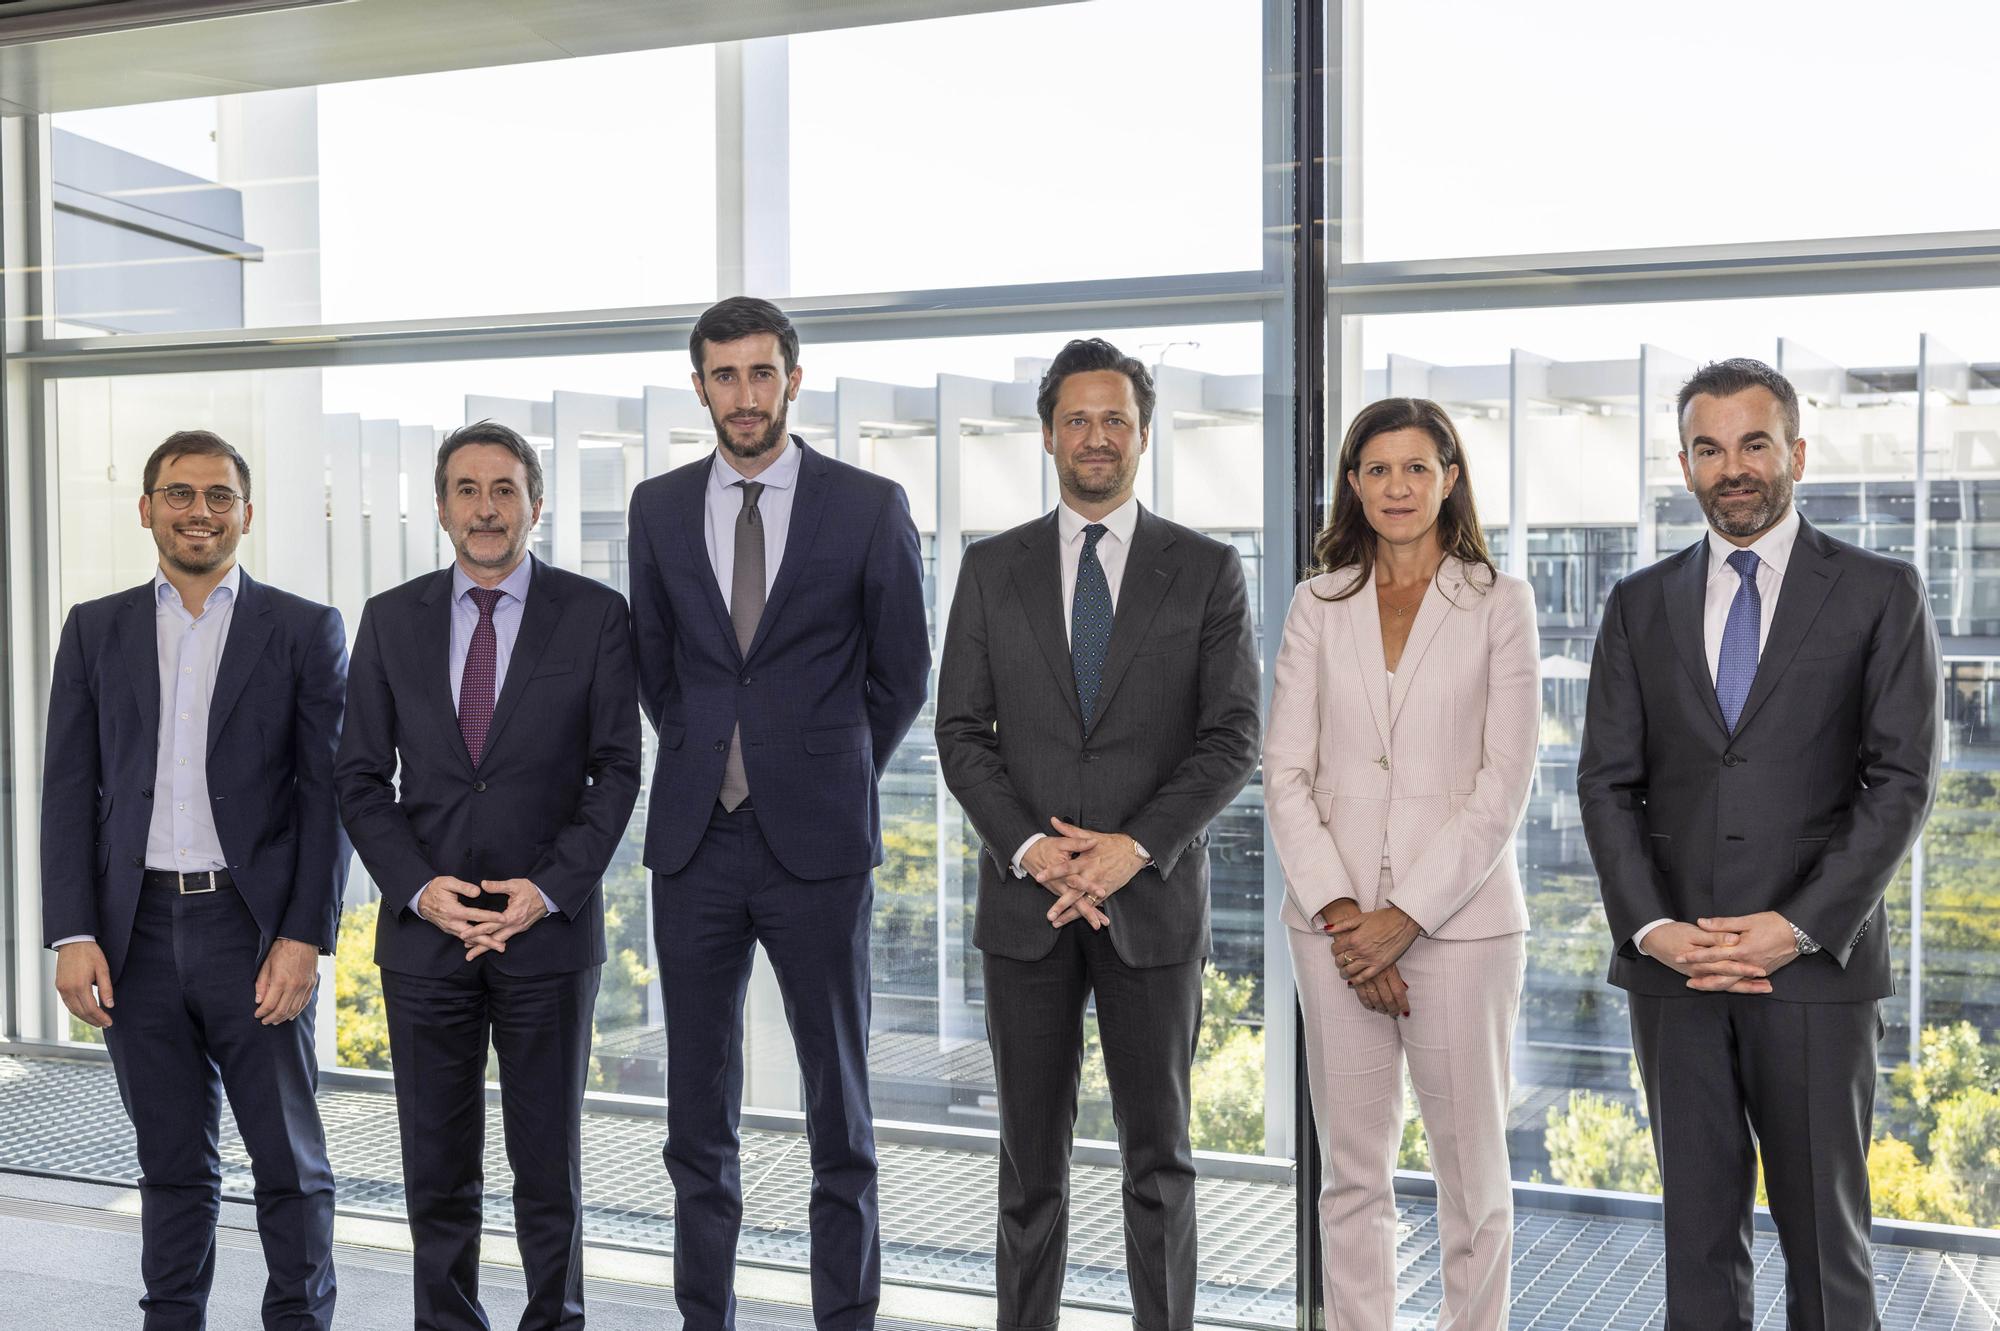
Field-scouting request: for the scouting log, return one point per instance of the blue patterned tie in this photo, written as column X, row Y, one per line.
column 1089, row 624
column 1736, row 667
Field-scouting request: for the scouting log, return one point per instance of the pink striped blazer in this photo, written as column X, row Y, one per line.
column 1440, row 765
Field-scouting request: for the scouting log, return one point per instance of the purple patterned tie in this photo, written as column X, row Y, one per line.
column 475, row 685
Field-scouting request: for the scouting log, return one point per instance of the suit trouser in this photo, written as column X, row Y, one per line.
column 438, row 1032
column 708, row 919
column 1148, row 1018
column 183, row 1032
column 1801, row 1077
column 1458, row 1043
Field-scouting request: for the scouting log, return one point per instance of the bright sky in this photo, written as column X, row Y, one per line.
column 1123, row 137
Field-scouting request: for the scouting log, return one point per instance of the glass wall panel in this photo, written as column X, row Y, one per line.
column 1589, row 422
column 1115, row 138
column 1659, row 104
column 561, row 185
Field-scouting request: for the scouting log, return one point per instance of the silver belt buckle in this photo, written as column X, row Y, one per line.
column 187, row 891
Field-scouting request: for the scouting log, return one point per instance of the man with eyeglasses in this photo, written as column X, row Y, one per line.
column 192, row 866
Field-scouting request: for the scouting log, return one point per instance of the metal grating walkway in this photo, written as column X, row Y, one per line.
column 1571, row 1272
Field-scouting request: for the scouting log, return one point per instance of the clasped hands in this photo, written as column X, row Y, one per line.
column 1081, row 869
column 1366, row 946
column 442, row 902
column 1726, row 954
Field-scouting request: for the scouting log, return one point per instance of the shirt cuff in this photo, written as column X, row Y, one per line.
column 411, row 904
column 74, row 938
column 549, row 902
column 1142, row 852
column 1019, row 872
column 1639, row 939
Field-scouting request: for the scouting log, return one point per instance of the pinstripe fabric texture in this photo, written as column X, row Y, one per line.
column 1439, row 763
column 475, row 689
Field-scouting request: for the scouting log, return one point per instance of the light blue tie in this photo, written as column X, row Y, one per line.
column 1090, row 624
column 1736, row 667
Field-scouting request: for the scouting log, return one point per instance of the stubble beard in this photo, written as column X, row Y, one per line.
column 1743, row 523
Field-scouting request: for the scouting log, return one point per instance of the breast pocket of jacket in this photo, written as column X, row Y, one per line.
column 1831, row 646
column 546, row 669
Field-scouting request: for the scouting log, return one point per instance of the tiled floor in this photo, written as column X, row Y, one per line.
column 1571, row 1272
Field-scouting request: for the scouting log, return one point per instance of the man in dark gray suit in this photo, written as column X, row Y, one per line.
column 1759, row 753
column 1097, row 707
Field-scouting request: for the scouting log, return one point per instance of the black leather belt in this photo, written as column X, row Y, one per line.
column 188, row 884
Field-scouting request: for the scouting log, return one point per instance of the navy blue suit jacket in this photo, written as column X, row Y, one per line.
column 553, row 789
column 833, row 678
column 273, row 726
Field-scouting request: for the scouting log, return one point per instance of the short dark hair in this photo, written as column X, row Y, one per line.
column 492, row 432
column 1727, row 378
column 743, row 316
column 194, row 443
column 1083, row 355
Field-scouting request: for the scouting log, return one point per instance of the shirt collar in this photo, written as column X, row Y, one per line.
column 232, row 582
column 515, row 584
column 1774, row 547
column 1119, row 522
column 780, row 475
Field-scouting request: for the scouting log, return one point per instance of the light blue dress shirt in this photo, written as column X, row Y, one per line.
column 182, row 833
column 774, row 506
column 506, row 629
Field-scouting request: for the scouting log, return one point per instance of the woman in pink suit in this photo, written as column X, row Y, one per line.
column 1396, row 769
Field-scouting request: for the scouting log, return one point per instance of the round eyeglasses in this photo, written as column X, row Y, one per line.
column 219, row 498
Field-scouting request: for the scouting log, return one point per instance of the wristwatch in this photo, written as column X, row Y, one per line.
column 1803, row 941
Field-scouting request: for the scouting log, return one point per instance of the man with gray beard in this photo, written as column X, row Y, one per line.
column 1760, row 750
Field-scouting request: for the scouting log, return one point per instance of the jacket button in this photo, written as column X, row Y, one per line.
column 479, row 787
column 146, row 794
column 722, row 746
column 745, row 681
column 1730, row 760
column 1090, row 757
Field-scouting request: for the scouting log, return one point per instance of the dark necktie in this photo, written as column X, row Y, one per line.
column 1089, row 624
column 1736, row 664
column 475, row 684
column 746, row 607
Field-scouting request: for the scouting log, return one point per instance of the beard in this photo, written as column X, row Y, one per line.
column 1099, row 486
column 194, row 563
column 516, row 542
column 774, row 434
column 1746, row 517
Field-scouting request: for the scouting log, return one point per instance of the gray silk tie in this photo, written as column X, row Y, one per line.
column 746, row 607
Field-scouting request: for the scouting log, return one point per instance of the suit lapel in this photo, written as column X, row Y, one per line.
column 538, row 625
column 1364, row 631
column 249, row 630
column 807, row 506
column 1038, row 582
column 1809, row 576
column 1149, row 571
column 139, row 635
column 1432, row 611
column 1686, row 593
column 433, row 640
column 690, row 514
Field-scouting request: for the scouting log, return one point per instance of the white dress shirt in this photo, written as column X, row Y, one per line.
column 182, row 836
column 774, row 507
column 1774, row 551
column 1112, row 549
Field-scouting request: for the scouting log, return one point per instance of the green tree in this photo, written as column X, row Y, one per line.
column 1965, row 1149
column 360, row 1022
column 1227, row 1088
column 1903, row 1187
column 1951, row 1060
column 1594, row 1141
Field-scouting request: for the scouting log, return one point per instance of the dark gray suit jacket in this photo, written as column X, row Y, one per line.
column 1176, row 733
column 1809, row 808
